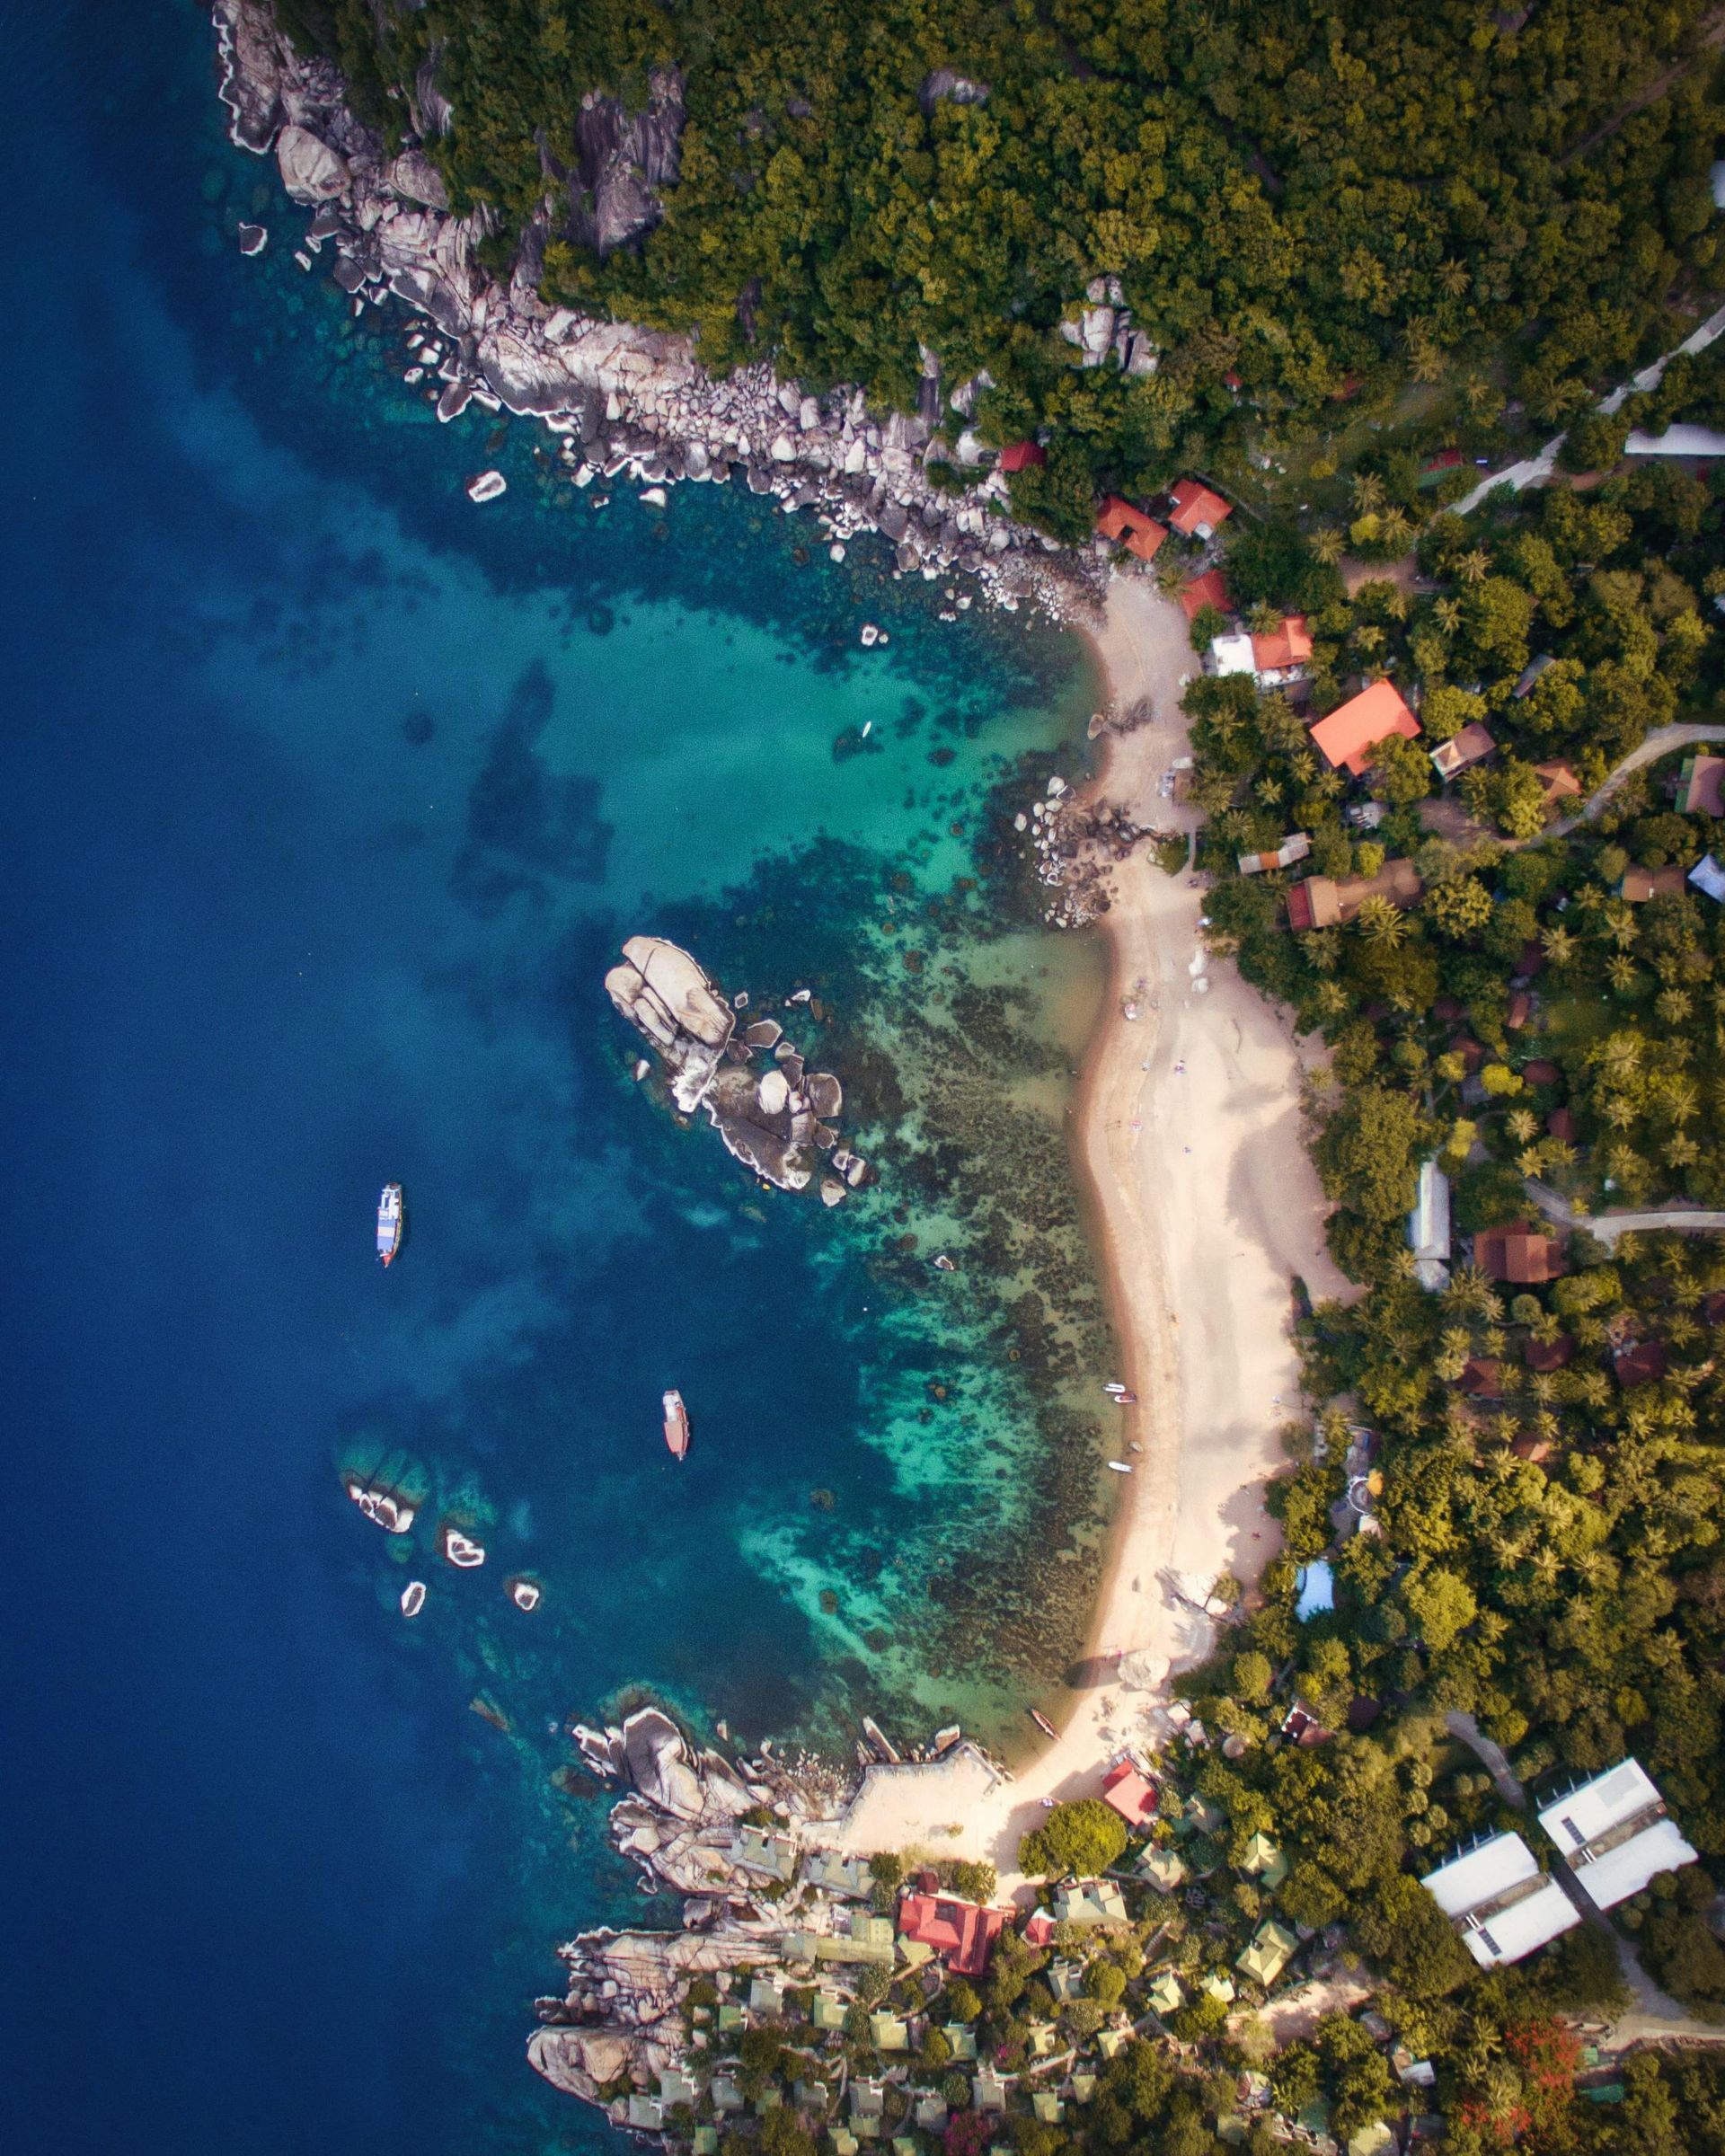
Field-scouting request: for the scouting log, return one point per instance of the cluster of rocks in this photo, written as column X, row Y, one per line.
column 1104, row 325
column 626, row 401
column 1074, row 843
column 776, row 1119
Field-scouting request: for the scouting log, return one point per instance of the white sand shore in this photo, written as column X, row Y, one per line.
column 1207, row 1205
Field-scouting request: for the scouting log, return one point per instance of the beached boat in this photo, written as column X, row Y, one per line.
column 676, row 1424
column 1042, row 1722
column 389, row 1222
column 1121, row 1467
column 413, row 1598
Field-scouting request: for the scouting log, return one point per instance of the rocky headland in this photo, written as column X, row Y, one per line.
column 626, row 401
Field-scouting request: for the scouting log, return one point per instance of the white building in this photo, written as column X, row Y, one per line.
column 1615, row 1834
column 1500, row 1901
column 1234, row 654
column 1429, row 1228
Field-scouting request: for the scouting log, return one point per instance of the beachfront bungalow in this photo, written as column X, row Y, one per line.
column 1040, row 2041
column 1164, row 1996
column 1530, row 674
column 1089, row 1902
column 1332, row 902
column 1615, row 1834
column 1347, row 738
column 1119, row 521
column 1429, row 1228
column 675, row 2088
column 962, row 1933
column 1162, row 1868
column 1472, row 746
column 1264, row 1862
column 1130, row 1792
column 1499, row 1901
column 1210, row 590
column 775, row 1855
column 1519, row 1255
column 847, row 1877
column 1272, row 1947
column 1197, row 509
column 1084, row 2087
column 868, row 2099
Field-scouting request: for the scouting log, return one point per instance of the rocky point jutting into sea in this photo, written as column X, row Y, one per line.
column 622, row 399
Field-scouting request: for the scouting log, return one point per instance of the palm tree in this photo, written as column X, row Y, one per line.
column 1558, row 944
column 1329, row 546
column 1453, row 280
column 1381, row 921
column 1369, row 637
column 1447, row 614
column 1397, row 533
column 1522, row 1124
column 1673, row 1007
column 1621, row 972
column 1474, row 567
column 1367, row 491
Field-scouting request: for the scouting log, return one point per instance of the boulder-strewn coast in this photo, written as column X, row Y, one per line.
column 625, row 400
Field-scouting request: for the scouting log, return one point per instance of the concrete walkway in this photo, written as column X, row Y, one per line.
column 1535, row 471
column 1687, row 1220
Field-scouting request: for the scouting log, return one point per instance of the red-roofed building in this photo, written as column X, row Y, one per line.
column 1517, row 1254
column 1016, row 455
column 961, row 1933
column 1283, row 652
column 1347, row 736
column 1197, row 511
column 1039, row 1929
column 1207, row 590
column 1131, row 1794
column 1138, row 534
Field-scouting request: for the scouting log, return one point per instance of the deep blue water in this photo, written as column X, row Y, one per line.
column 327, row 799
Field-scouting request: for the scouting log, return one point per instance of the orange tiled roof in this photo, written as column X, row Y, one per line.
column 1195, row 505
column 1142, row 535
column 1207, row 590
column 1289, row 646
column 1347, row 736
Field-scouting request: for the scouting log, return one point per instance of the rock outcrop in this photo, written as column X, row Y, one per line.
column 625, row 400
column 665, row 995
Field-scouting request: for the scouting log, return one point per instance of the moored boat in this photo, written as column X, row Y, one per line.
column 389, row 1222
column 413, row 1598
column 676, row 1424
column 1042, row 1722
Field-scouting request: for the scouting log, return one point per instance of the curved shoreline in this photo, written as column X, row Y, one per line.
column 1196, row 1237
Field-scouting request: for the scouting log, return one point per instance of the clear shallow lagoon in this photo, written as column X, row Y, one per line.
column 328, row 799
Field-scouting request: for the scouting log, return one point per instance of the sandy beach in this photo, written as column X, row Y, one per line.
column 1187, row 1131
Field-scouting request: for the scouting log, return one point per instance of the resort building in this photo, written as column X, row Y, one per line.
column 1130, row 1792
column 1162, row 1869
column 1294, row 847
column 1231, row 654
column 1708, row 877
column 1559, row 782
column 1640, row 885
column 758, row 1851
column 848, row 1876
column 1139, row 535
column 1701, row 785
column 1197, row 511
column 1089, row 1902
column 1210, row 590
column 961, row 1933
column 1164, row 1994
column 1429, row 1228
column 1615, row 1834
column 1472, row 746
column 1332, row 902
column 1272, row 1946
column 889, row 2032
column 1518, row 1254
column 1347, row 736
column 1282, row 656
column 1264, row 1862
column 1500, row 1903
column 1017, row 456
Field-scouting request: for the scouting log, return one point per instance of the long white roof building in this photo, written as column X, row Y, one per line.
column 1616, row 1832
column 1500, row 1901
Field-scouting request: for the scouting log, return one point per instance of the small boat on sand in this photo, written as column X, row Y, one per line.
column 413, row 1598
column 1042, row 1722
column 1121, row 1467
column 389, row 1222
column 676, row 1424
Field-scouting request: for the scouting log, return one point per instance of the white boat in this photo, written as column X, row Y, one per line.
column 676, row 1424
column 413, row 1598
column 1121, row 1467
column 389, row 1222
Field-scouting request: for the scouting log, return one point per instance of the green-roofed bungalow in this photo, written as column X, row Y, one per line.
column 1268, row 1956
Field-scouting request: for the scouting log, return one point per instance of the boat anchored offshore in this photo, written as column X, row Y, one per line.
column 676, row 1424
column 389, row 1222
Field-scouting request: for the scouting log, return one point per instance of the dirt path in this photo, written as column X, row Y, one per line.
column 1687, row 1220
column 1659, row 742
column 1712, row 35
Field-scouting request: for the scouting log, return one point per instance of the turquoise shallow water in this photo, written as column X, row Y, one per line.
column 330, row 798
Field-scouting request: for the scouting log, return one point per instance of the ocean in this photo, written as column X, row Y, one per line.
column 328, row 799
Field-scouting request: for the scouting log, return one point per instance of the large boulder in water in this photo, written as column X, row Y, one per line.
column 664, row 994
column 311, row 171
column 658, row 1765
